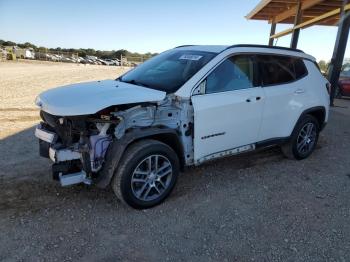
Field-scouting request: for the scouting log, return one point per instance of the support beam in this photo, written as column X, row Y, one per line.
column 258, row 8
column 296, row 32
column 290, row 12
column 272, row 32
column 311, row 21
column 339, row 50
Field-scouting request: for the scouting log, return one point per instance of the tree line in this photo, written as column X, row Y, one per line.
column 324, row 65
column 83, row 52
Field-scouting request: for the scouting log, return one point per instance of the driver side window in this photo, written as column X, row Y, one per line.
column 234, row 73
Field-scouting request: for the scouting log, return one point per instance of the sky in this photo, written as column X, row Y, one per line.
column 147, row 26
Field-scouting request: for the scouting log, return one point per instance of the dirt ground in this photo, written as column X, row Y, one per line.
column 21, row 82
column 256, row 207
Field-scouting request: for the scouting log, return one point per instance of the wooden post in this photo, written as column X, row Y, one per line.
column 339, row 50
column 296, row 32
column 272, row 32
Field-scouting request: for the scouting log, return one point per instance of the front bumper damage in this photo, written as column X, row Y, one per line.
column 72, row 164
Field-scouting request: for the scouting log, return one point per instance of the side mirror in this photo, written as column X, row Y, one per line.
column 200, row 89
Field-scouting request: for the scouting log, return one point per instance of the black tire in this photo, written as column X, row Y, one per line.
column 132, row 160
column 292, row 149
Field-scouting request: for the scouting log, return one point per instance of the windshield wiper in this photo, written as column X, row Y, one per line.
column 134, row 82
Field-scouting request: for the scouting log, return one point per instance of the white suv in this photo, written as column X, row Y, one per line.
column 183, row 107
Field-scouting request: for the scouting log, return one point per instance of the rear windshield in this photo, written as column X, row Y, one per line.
column 169, row 70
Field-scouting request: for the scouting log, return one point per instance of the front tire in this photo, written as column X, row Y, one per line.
column 146, row 174
column 303, row 140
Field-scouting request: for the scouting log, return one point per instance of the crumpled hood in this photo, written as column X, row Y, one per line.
column 91, row 97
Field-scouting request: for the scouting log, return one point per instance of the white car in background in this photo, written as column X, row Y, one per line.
column 186, row 106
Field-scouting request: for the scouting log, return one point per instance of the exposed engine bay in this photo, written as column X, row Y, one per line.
column 78, row 145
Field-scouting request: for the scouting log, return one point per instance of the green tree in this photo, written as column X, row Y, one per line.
column 323, row 65
column 9, row 43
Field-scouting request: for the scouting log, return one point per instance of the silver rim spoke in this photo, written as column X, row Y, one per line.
column 139, row 172
column 156, row 188
column 138, row 180
column 161, row 183
column 147, row 192
column 149, row 163
column 142, row 189
column 306, row 138
column 165, row 173
column 156, row 165
column 163, row 167
column 151, row 178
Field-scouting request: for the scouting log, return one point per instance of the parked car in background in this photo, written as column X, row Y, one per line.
column 343, row 84
column 184, row 107
column 67, row 60
column 24, row 53
column 112, row 62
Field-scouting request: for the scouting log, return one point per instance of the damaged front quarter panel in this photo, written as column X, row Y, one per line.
column 170, row 120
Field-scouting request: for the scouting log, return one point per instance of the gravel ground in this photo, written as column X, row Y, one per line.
column 255, row 207
column 21, row 82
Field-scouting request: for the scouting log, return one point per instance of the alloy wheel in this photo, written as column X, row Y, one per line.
column 151, row 178
column 306, row 138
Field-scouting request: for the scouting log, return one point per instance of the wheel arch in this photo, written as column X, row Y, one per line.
column 116, row 150
column 173, row 141
column 319, row 112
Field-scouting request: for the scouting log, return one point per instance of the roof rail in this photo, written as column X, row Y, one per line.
column 183, row 46
column 267, row 46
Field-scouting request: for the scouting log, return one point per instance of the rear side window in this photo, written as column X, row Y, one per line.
column 276, row 70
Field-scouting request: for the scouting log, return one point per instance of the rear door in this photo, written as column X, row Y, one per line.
column 285, row 86
column 228, row 114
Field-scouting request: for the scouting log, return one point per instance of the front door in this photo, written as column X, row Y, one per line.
column 228, row 113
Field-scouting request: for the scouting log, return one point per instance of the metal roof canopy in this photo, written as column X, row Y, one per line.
column 280, row 11
column 306, row 13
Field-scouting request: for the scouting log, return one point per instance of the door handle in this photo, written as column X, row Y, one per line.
column 249, row 99
column 299, row 91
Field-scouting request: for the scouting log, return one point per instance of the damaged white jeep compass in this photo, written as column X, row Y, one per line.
column 183, row 107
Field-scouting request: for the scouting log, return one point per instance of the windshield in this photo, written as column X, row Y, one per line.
column 168, row 71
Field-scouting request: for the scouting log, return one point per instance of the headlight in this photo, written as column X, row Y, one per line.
column 38, row 101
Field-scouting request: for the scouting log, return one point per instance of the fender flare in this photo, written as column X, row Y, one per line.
column 116, row 150
column 308, row 111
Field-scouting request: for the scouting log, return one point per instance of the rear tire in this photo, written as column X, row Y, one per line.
column 146, row 175
column 303, row 140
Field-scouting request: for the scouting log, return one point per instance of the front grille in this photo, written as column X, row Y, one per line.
column 67, row 129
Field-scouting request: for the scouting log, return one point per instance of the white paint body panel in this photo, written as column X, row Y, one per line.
column 89, row 98
column 285, row 103
column 45, row 135
column 228, row 113
column 274, row 116
column 63, row 155
column 317, row 92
